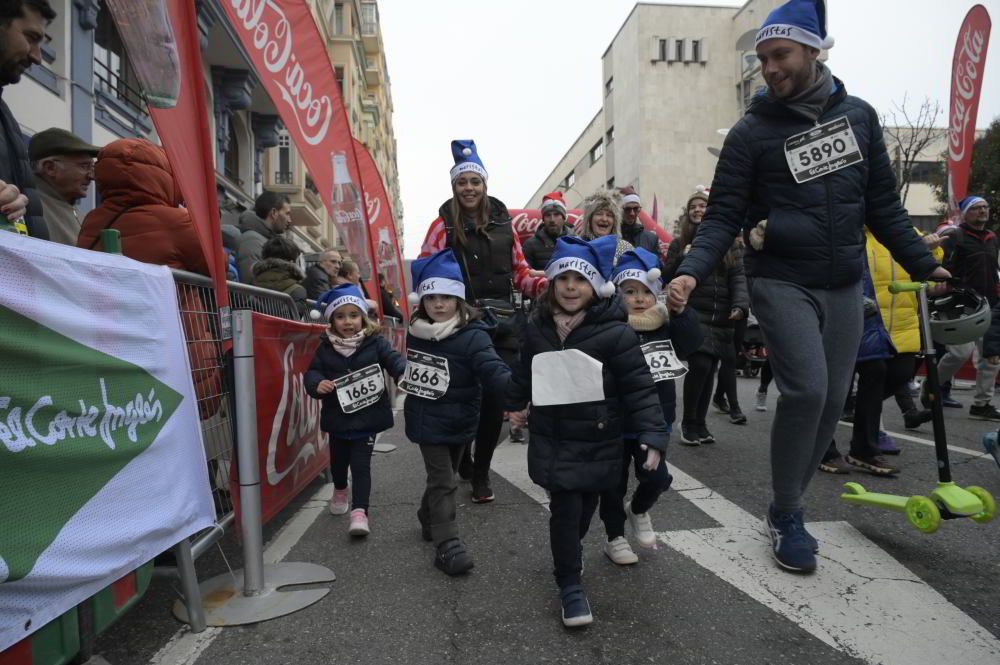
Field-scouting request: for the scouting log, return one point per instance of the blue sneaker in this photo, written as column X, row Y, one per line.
column 990, row 444
column 575, row 608
column 792, row 546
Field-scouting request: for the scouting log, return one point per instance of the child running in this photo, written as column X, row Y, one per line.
column 346, row 373
column 662, row 339
column 587, row 381
column 449, row 360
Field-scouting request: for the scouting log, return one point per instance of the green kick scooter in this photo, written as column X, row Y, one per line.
column 948, row 500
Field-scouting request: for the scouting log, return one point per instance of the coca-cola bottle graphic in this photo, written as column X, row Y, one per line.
column 387, row 263
column 346, row 209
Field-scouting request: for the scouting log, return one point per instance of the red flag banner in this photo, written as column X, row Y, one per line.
column 966, row 84
column 382, row 226
column 184, row 132
column 292, row 449
column 290, row 58
column 527, row 221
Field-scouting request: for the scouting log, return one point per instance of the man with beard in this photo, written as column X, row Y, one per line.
column 538, row 248
column 632, row 229
column 22, row 31
column 801, row 175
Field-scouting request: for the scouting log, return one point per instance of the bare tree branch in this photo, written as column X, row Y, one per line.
column 907, row 135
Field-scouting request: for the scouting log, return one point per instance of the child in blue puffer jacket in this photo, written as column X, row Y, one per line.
column 665, row 339
column 346, row 373
column 449, row 357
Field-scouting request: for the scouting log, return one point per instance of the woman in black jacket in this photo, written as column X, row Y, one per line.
column 450, row 357
column 719, row 300
column 588, row 384
column 346, row 373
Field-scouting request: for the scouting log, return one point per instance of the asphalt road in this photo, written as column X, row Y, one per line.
column 708, row 593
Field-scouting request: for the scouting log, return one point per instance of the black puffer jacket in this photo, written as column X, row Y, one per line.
column 578, row 447
column 972, row 258
column 815, row 229
column 453, row 418
column 639, row 236
column 716, row 295
column 539, row 247
column 328, row 364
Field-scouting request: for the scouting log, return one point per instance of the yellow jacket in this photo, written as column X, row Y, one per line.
column 899, row 312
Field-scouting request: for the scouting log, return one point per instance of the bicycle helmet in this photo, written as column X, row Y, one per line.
column 959, row 317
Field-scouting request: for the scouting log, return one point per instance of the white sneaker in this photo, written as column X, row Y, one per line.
column 761, row 401
column 620, row 552
column 339, row 502
column 642, row 527
column 359, row 523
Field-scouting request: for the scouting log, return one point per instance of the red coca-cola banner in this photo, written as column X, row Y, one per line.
column 290, row 58
column 184, row 132
column 292, row 450
column 526, row 222
column 382, row 227
column 966, row 85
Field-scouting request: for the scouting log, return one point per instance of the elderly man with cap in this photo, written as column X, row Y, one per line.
column 971, row 255
column 63, row 165
column 806, row 169
column 633, row 232
column 539, row 247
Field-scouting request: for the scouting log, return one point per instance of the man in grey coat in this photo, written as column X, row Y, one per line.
column 271, row 216
column 63, row 165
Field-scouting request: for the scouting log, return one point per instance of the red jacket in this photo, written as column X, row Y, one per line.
column 140, row 199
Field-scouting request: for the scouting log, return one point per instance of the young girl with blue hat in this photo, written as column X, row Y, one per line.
column 346, row 374
column 450, row 359
column 664, row 339
column 584, row 376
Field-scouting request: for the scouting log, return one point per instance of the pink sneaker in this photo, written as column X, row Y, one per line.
column 359, row 523
column 339, row 504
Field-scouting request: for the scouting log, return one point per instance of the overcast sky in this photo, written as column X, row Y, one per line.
column 523, row 78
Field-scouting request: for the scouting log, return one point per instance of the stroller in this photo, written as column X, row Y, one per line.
column 754, row 353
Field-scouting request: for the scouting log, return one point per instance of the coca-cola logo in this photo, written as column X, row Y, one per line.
column 270, row 35
column 526, row 222
column 374, row 206
column 347, row 216
column 963, row 92
column 303, row 416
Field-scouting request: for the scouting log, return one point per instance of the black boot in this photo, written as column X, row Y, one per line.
column 452, row 558
column 915, row 418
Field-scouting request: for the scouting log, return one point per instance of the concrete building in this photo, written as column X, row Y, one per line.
column 354, row 42
column 672, row 77
column 86, row 84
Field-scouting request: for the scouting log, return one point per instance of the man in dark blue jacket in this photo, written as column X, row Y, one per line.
column 800, row 175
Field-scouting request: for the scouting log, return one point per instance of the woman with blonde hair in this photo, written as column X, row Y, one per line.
column 602, row 216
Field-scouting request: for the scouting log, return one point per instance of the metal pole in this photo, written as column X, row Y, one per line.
column 937, row 409
column 189, row 586
column 245, row 394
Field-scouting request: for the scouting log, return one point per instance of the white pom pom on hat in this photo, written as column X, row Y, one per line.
column 654, row 274
column 413, row 299
column 607, row 289
column 466, row 151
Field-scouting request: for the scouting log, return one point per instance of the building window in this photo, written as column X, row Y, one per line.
column 609, row 137
column 678, row 53
column 570, row 179
column 232, row 159
column 112, row 73
column 609, row 86
column 597, row 151
column 283, row 176
column 337, row 18
column 340, row 80
column 695, row 50
column 926, row 172
column 369, row 18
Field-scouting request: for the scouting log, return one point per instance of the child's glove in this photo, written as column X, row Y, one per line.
column 653, row 457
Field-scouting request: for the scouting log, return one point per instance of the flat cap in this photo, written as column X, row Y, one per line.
column 55, row 141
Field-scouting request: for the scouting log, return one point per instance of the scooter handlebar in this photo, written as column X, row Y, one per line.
column 905, row 287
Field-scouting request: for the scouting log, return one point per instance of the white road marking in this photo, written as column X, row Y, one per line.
column 915, row 439
column 861, row 601
column 185, row 647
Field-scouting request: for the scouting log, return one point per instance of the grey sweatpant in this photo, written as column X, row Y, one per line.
column 812, row 338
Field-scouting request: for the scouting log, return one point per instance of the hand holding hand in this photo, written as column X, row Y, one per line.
column 518, row 419
column 653, row 457
column 678, row 291
column 736, row 314
column 325, row 387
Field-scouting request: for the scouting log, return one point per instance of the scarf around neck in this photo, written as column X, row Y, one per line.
column 435, row 331
column 345, row 346
column 811, row 101
column 652, row 319
column 565, row 323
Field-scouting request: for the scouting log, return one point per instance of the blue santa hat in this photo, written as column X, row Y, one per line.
column 437, row 273
column 802, row 21
column 466, row 159
column 337, row 297
column 641, row 265
column 968, row 202
column 594, row 260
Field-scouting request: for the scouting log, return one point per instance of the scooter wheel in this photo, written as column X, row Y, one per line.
column 923, row 514
column 989, row 505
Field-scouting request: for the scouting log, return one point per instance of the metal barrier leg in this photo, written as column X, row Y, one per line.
column 252, row 594
column 189, row 586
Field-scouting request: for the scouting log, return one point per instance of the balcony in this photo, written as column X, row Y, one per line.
column 373, row 76
column 284, row 178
